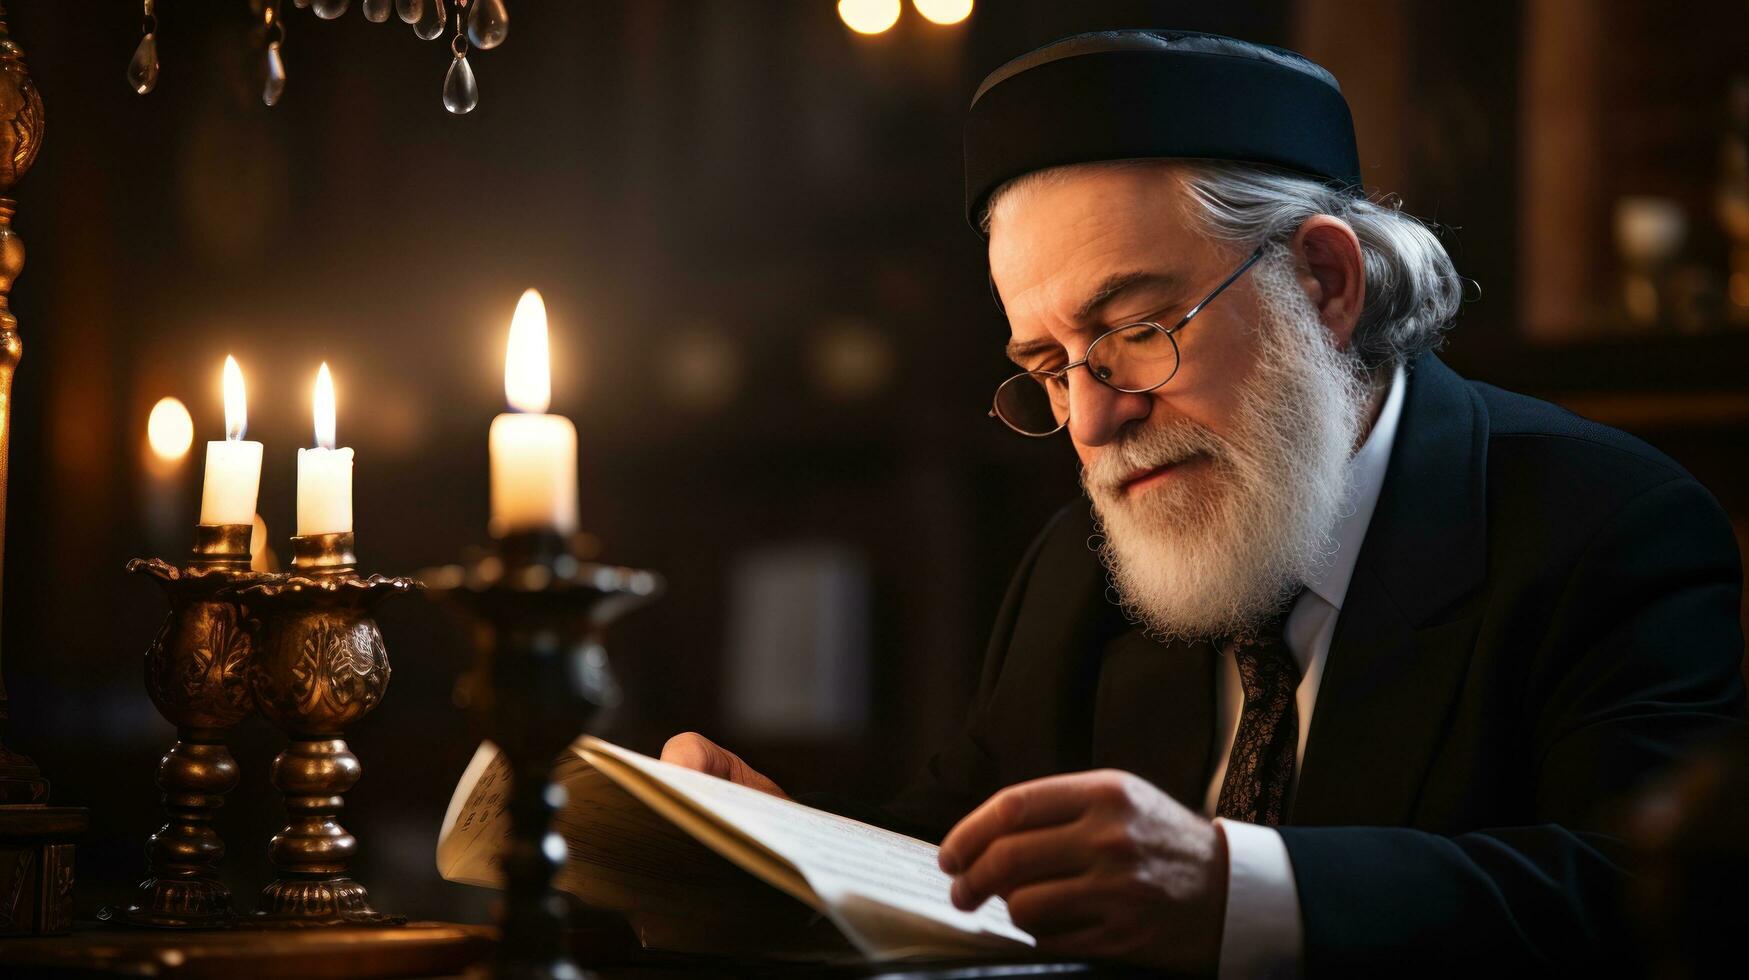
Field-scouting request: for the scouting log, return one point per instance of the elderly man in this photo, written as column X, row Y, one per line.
column 1343, row 666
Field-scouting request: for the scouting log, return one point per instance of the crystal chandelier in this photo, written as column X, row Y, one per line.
column 481, row 24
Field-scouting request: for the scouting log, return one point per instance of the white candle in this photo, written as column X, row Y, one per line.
column 324, row 473
column 233, row 467
column 534, row 455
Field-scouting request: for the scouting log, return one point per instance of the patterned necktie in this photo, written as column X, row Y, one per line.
column 1260, row 770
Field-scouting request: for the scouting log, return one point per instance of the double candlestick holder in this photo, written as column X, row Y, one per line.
column 540, row 678
column 301, row 647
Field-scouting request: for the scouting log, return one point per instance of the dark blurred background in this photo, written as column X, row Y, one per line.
column 770, row 323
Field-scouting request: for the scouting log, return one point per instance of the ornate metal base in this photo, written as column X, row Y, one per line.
column 179, row 903
column 320, row 665
column 196, row 674
column 184, row 891
column 313, row 851
column 301, row 902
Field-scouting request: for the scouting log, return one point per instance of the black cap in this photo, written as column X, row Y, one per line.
column 1119, row 95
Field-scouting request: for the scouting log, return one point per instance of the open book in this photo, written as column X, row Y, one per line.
column 700, row 863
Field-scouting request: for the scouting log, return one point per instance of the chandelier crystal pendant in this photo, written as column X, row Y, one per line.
column 143, row 67
column 488, row 23
column 274, row 84
column 480, row 24
column 429, row 26
column 460, row 92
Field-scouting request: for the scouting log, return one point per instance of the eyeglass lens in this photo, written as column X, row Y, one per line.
column 1139, row 357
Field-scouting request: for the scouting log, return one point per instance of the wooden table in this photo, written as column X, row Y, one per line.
column 425, row 949
column 418, row 949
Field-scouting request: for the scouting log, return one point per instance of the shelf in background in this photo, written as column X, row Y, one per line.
column 1657, row 381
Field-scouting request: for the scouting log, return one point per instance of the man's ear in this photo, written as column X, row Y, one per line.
column 1332, row 271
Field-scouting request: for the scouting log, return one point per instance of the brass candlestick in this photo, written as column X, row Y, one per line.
column 21, row 129
column 541, row 677
column 321, row 665
column 197, row 675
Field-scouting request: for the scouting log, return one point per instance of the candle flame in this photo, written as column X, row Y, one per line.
column 236, row 404
column 527, row 378
column 169, row 430
column 324, row 408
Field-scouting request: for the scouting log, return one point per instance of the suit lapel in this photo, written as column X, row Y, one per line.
column 1155, row 713
column 1382, row 709
column 1404, row 637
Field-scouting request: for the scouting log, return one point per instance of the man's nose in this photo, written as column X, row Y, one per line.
column 1097, row 412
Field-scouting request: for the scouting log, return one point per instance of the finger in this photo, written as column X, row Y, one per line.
column 693, row 751
column 1023, row 806
column 1021, row 859
column 1055, row 908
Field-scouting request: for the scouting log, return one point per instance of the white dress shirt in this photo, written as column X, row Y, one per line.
column 1263, row 935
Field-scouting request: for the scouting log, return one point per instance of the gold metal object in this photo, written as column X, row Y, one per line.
column 21, row 129
column 540, row 678
column 324, row 552
column 36, row 840
column 197, row 674
column 222, row 545
column 320, row 665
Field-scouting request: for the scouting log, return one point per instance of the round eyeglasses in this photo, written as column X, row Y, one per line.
column 1133, row 358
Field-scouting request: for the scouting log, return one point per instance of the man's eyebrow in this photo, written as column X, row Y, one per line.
column 1020, row 350
column 1117, row 284
column 1114, row 287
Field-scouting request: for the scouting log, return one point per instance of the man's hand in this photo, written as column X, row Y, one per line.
column 694, row 751
column 1099, row 864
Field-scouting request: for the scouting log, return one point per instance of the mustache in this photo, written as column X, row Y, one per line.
column 1147, row 447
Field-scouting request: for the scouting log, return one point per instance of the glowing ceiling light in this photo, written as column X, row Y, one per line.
column 868, row 16
column 943, row 12
column 169, row 429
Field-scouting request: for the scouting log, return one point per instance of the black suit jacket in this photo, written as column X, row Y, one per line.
column 1544, row 611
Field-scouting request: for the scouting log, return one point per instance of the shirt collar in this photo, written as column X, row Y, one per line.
column 1366, row 475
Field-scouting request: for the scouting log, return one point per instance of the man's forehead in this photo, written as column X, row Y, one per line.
column 1055, row 246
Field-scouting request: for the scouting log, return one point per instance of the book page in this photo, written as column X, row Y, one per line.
column 619, row 855
column 884, row 889
column 475, row 825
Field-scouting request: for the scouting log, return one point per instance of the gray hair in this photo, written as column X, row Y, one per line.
column 1412, row 288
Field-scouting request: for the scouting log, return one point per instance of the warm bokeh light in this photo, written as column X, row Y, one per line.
column 236, row 401
column 169, row 429
column 528, row 380
column 324, row 408
column 943, row 12
column 261, row 554
column 868, row 16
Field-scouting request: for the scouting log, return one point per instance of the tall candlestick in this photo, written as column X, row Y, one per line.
column 233, row 467
column 534, row 455
column 324, row 473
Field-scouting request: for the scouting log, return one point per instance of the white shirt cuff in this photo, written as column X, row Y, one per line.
column 1262, row 936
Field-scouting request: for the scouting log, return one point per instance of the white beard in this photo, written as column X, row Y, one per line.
column 1223, row 552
